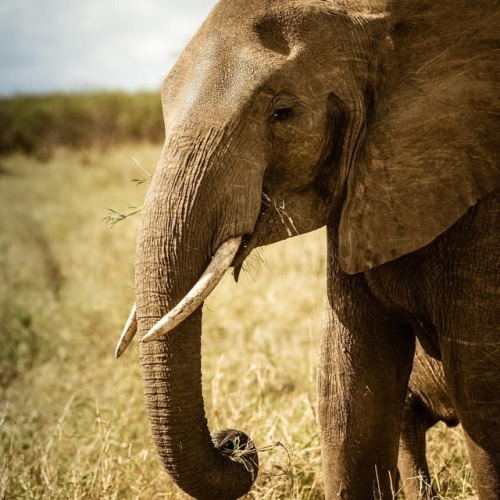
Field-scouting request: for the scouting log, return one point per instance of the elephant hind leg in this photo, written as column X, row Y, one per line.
column 412, row 462
column 473, row 374
column 468, row 328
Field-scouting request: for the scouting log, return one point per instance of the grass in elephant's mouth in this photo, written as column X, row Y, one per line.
column 72, row 422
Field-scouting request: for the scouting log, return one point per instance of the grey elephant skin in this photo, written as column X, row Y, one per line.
column 379, row 120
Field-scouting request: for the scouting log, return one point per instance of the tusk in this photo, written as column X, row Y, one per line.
column 195, row 297
column 128, row 333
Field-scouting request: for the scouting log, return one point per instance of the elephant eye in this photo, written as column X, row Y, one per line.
column 282, row 114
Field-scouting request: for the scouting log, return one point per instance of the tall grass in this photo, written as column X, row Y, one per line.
column 40, row 124
column 72, row 422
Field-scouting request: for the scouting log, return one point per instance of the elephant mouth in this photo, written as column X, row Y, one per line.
column 273, row 224
column 248, row 243
column 254, row 239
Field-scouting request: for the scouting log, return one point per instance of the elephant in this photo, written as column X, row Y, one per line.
column 427, row 402
column 379, row 120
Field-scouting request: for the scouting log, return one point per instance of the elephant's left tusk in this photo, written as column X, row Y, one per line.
column 128, row 333
column 195, row 297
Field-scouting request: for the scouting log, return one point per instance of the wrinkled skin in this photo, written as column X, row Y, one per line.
column 379, row 120
column 427, row 402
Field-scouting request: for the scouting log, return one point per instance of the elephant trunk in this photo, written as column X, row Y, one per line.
column 171, row 372
column 176, row 242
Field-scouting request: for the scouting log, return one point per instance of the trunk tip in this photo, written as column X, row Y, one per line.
column 240, row 448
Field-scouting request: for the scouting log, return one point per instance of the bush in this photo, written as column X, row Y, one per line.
column 37, row 125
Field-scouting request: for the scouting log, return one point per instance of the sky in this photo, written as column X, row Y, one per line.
column 80, row 45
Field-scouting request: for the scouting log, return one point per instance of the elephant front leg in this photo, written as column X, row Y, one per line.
column 362, row 382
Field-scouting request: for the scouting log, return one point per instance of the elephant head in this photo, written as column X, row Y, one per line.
column 281, row 117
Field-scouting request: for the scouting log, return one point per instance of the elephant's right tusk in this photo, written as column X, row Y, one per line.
column 128, row 333
column 221, row 261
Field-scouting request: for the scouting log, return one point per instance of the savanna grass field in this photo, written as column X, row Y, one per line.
column 72, row 420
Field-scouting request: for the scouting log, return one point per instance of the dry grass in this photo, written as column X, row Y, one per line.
column 72, row 423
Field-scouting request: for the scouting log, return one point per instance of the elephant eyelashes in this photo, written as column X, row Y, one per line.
column 281, row 115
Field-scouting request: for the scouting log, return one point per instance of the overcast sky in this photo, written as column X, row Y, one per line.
column 77, row 45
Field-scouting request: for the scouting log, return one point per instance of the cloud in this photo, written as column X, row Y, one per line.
column 56, row 45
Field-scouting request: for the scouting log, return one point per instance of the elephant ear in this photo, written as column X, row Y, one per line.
column 431, row 145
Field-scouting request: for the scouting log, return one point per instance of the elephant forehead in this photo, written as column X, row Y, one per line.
column 234, row 56
column 221, row 72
